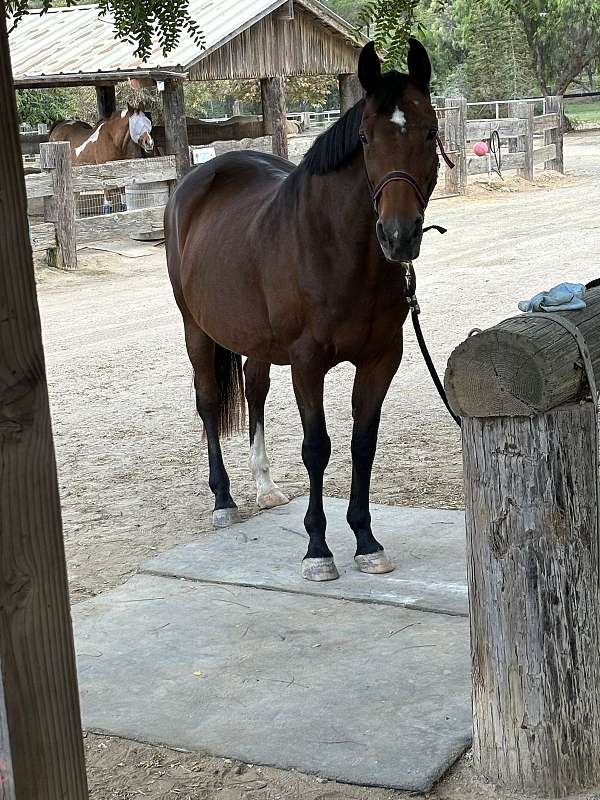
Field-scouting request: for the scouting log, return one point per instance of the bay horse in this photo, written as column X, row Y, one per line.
column 307, row 266
column 125, row 134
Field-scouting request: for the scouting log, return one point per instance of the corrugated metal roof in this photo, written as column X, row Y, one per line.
column 68, row 41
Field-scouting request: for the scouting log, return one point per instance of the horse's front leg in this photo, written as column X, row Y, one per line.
column 371, row 384
column 308, row 380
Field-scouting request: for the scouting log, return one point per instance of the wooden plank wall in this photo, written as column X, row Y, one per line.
column 274, row 46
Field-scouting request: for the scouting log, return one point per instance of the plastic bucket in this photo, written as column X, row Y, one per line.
column 146, row 195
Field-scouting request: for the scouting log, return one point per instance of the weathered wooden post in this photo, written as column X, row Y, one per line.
column 274, row 113
column 531, row 495
column 456, row 138
column 350, row 91
column 60, row 208
column 555, row 105
column 176, row 134
column 523, row 110
column 107, row 100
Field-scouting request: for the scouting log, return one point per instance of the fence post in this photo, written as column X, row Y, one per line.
column 533, row 551
column 555, row 105
column 524, row 142
column 456, row 137
column 60, row 208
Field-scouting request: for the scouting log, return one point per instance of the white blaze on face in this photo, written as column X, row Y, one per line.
column 399, row 118
column 259, row 464
column 93, row 137
column 123, row 113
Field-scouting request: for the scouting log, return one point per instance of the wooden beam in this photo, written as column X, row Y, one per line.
column 107, row 101
column 350, row 91
column 176, row 126
column 114, row 174
column 274, row 113
column 42, row 723
column 119, row 226
column 93, row 78
column 533, row 554
column 525, row 365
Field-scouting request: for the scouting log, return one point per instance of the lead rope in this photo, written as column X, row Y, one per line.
column 415, row 310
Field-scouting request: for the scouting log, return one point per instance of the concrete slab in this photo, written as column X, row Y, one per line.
column 427, row 546
column 365, row 693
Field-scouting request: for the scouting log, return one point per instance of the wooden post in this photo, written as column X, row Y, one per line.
column 350, row 91
column 555, row 105
column 456, row 138
column 531, row 501
column 41, row 728
column 60, row 208
column 274, row 113
column 107, row 101
column 175, row 125
column 7, row 778
column 524, row 142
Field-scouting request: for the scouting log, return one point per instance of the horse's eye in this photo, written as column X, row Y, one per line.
column 433, row 132
column 363, row 137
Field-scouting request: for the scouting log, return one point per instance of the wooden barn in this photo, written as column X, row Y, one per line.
column 264, row 40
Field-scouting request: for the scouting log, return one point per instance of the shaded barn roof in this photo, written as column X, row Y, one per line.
column 243, row 39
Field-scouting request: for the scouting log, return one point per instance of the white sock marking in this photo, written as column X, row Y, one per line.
column 259, row 464
column 399, row 118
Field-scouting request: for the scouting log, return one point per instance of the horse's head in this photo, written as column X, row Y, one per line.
column 398, row 132
column 139, row 128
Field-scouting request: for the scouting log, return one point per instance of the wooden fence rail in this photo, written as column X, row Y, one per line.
column 58, row 185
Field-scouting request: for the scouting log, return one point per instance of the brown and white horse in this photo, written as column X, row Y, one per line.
column 123, row 135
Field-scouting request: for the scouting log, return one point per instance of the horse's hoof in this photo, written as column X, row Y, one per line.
column 275, row 497
column 224, row 517
column 374, row 563
column 319, row 569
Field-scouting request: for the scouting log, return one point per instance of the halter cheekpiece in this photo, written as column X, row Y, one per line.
column 406, row 177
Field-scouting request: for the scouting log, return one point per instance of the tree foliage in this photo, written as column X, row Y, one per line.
column 563, row 38
column 49, row 105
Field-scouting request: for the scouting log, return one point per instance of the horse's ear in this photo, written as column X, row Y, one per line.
column 369, row 68
column 419, row 65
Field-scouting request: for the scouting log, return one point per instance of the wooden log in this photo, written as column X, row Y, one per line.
column 350, row 91
column 42, row 723
column 274, row 113
column 525, row 365
column 106, row 98
column 55, row 157
column 532, row 539
column 555, row 105
column 175, row 125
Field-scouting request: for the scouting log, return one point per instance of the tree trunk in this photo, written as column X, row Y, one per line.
column 176, row 125
column 274, row 113
column 42, row 727
column 350, row 91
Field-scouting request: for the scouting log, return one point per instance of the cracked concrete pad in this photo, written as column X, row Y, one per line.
column 366, row 693
column 427, row 546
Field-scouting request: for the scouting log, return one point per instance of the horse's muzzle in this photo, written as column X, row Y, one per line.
column 147, row 144
column 400, row 239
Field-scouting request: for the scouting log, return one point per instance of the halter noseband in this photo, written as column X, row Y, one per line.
column 406, row 177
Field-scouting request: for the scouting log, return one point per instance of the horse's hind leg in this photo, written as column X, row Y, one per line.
column 210, row 396
column 268, row 494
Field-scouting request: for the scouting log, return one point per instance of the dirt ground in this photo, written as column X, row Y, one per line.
column 133, row 468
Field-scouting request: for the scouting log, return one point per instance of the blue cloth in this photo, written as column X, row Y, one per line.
column 564, row 297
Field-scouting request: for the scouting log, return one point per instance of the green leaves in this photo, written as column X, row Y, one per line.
column 390, row 23
column 141, row 23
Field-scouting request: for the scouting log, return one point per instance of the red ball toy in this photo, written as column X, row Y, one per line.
column 481, row 149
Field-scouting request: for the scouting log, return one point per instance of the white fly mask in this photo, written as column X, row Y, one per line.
column 139, row 130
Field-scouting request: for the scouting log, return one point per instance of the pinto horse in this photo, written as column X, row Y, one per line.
column 123, row 135
column 307, row 266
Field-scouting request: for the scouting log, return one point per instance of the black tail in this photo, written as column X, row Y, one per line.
column 230, row 379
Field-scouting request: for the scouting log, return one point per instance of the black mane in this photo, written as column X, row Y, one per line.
column 337, row 146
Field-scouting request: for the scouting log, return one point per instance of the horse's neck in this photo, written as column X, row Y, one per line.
column 338, row 204
column 118, row 130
